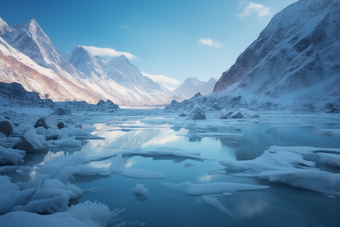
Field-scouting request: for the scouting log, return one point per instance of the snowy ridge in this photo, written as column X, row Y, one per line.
column 295, row 57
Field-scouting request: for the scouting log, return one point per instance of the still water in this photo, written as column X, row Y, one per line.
column 216, row 140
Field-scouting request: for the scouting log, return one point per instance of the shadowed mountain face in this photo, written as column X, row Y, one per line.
column 296, row 58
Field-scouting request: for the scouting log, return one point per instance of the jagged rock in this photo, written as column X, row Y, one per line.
column 236, row 114
column 110, row 105
column 182, row 115
column 331, row 108
column 224, row 114
column 100, row 103
column 62, row 111
column 46, row 122
column 198, row 94
column 197, row 113
column 173, row 102
column 61, row 125
column 5, row 127
column 31, row 142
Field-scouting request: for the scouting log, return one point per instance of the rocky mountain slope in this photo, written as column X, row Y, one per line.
column 294, row 63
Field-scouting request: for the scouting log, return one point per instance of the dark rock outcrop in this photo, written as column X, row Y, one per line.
column 46, row 122
column 5, row 127
column 331, row 108
column 62, row 111
column 27, row 146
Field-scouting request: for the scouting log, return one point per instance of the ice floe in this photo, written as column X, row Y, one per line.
column 288, row 165
column 211, row 188
column 117, row 167
column 330, row 132
column 141, row 192
column 83, row 214
column 11, row 156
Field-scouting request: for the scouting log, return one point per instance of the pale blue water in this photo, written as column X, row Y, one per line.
column 279, row 205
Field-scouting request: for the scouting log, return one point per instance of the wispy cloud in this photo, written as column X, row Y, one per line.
column 125, row 27
column 108, row 52
column 209, row 42
column 253, row 8
column 168, row 82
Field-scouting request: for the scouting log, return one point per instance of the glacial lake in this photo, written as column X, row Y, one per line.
column 216, row 140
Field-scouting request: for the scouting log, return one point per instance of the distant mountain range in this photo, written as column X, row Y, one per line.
column 193, row 85
column 29, row 57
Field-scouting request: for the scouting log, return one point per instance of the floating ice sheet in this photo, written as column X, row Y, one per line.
column 211, row 188
column 287, row 165
column 83, row 214
column 330, row 132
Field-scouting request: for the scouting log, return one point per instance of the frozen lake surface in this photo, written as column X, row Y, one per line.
column 215, row 140
column 160, row 169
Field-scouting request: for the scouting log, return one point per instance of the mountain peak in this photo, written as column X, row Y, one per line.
column 4, row 27
column 119, row 62
column 122, row 58
column 80, row 50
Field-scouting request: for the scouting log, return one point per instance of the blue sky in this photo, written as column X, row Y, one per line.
column 172, row 39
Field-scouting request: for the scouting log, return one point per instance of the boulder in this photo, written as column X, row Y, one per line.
column 182, row 115
column 331, row 108
column 198, row 94
column 31, row 142
column 46, row 122
column 62, row 111
column 197, row 113
column 61, row 125
column 5, row 127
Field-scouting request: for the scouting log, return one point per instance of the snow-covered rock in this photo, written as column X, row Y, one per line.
column 10, row 156
column 197, row 113
column 31, row 142
column 46, row 122
column 141, row 192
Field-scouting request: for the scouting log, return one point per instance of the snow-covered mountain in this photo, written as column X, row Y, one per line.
column 116, row 80
column 17, row 67
column 192, row 85
column 31, row 40
column 294, row 63
column 119, row 78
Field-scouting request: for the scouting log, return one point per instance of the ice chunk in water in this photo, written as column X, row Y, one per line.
column 211, row 188
column 141, row 192
column 11, row 156
column 213, row 201
column 83, row 214
column 118, row 167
